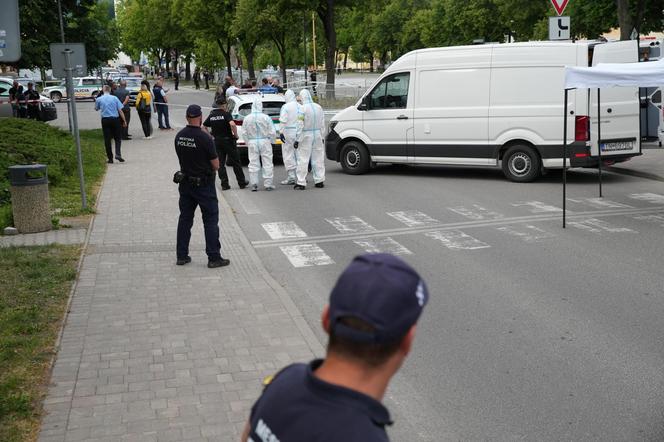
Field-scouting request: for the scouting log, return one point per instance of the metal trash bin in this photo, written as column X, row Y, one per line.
column 29, row 191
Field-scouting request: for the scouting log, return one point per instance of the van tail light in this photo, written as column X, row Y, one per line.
column 582, row 128
column 237, row 122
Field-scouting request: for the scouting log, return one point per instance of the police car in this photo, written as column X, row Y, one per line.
column 84, row 87
column 239, row 106
column 47, row 110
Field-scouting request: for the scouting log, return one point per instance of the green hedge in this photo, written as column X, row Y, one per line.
column 26, row 142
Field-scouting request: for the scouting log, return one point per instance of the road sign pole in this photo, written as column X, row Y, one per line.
column 74, row 121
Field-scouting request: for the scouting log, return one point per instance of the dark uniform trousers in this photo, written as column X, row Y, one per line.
column 229, row 155
column 112, row 129
column 127, row 114
column 204, row 196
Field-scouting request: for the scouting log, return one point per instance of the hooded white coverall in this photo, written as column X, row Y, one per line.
column 258, row 133
column 310, row 135
column 289, row 119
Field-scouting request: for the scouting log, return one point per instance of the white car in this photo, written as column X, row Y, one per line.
column 47, row 110
column 84, row 87
column 239, row 106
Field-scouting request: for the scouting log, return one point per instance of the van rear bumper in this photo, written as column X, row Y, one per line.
column 579, row 155
column 332, row 145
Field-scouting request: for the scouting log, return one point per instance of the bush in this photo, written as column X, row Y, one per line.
column 27, row 142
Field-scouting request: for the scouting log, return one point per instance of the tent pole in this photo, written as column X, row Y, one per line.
column 565, row 158
column 599, row 144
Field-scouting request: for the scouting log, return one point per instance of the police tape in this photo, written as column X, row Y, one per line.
column 21, row 102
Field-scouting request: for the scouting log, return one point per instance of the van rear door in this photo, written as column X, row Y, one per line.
column 619, row 106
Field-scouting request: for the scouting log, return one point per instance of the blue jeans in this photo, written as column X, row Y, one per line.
column 162, row 110
column 206, row 197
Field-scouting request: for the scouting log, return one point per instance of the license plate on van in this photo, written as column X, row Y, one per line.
column 616, row 146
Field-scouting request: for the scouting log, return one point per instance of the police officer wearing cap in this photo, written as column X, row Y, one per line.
column 198, row 163
column 224, row 132
column 370, row 321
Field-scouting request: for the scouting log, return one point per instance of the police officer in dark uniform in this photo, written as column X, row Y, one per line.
column 224, row 132
column 198, row 162
column 371, row 321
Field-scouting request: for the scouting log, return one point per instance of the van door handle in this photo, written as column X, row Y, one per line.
column 402, row 117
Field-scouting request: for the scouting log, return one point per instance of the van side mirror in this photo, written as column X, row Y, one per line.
column 364, row 105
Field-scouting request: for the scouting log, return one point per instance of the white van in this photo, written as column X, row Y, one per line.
column 489, row 105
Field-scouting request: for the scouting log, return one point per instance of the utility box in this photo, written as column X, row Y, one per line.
column 29, row 191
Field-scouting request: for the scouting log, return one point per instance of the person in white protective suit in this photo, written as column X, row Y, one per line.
column 288, row 117
column 309, row 142
column 259, row 134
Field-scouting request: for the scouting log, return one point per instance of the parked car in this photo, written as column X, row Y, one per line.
column 84, row 88
column 239, row 106
column 497, row 105
column 47, row 110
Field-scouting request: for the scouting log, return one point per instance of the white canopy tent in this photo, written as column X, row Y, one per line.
column 645, row 74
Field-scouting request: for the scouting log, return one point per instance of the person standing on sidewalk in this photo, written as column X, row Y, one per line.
column 197, row 78
column 371, row 320
column 143, row 106
column 198, row 163
column 310, row 136
column 288, row 118
column 161, row 105
column 123, row 95
column 224, row 132
column 176, row 79
column 112, row 121
column 259, row 134
column 32, row 97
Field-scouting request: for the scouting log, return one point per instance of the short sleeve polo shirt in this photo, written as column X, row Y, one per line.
column 195, row 149
column 298, row 406
column 220, row 123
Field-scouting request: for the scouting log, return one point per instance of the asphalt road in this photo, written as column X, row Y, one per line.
column 533, row 332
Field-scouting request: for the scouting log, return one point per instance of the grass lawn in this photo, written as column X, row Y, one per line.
column 34, row 287
column 26, row 142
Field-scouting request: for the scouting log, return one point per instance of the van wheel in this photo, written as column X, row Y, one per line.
column 521, row 164
column 56, row 97
column 355, row 158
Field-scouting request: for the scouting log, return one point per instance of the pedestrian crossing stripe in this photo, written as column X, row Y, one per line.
column 595, row 225
column 654, row 198
column 528, row 233
column 306, row 255
column 284, row 230
column 538, row 207
column 382, row 245
column 413, row 218
column 351, row 224
column 457, row 240
column 476, row 212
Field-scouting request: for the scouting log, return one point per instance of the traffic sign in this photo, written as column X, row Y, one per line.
column 559, row 28
column 76, row 55
column 10, row 36
column 559, row 5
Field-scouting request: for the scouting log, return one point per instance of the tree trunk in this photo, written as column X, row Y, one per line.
column 282, row 55
column 383, row 60
column 226, row 51
column 371, row 69
column 326, row 14
column 250, row 61
column 624, row 19
column 187, row 67
column 345, row 59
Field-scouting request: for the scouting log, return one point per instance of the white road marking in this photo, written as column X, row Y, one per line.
column 351, row 224
column 595, row 225
column 457, row 240
column 476, row 212
column 527, row 219
column 600, row 203
column 284, row 230
column 658, row 219
column 538, row 207
column 528, row 233
column 413, row 218
column 654, row 198
column 306, row 255
column 382, row 245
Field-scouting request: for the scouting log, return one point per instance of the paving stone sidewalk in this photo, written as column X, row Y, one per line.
column 152, row 351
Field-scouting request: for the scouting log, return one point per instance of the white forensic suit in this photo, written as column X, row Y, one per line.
column 258, row 133
column 310, row 135
column 288, row 117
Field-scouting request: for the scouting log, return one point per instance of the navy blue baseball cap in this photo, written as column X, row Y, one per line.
column 194, row 110
column 381, row 290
